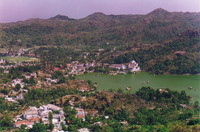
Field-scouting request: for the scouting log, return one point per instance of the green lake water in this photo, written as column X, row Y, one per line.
column 136, row 81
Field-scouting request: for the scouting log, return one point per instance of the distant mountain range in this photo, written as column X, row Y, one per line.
column 97, row 30
column 157, row 26
column 61, row 17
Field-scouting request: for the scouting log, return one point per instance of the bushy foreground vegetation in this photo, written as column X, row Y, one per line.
column 162, row 111
column 165, row 96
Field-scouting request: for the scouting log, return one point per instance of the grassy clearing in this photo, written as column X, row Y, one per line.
column 20, row 59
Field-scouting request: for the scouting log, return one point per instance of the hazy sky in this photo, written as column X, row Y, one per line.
column 14, row 10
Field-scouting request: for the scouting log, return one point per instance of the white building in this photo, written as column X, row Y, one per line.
column 2, row 61
column 17, row 81
column 53, row 107
column 52, row 80
column 83, row 130
column 10, row 99
column 31, row 113
column 20, row 97
column 118, row 66
column 133, row 66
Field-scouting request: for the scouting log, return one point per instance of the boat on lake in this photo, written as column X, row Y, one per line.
column 146, row 82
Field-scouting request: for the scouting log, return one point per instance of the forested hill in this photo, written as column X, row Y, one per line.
column 157, row 26
column 179, row 56
column 176, row 33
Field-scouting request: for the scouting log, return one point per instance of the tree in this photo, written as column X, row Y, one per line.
column 69, row 111
column 62, row 80
column 17, row 87
column 72, row 128
column 96, row 128
column 108, row 129
column 57, row 75
column 185, row 116
column 38, row 127
column 32, row 81
column 123, row 115
column 6, row 120
column 64, row 128
column 194, row 122
column 50, row 116
column 179, row 127
column 50, row 126
column 23, row 126
column 120, row 90
column 196, row 104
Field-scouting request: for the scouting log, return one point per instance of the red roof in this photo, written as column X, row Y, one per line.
column 80, row 116
column 85, row 88
column 34, row 120
column 22, row 122
column 61, row 67
column 31, row 55
column 69, row 121
column 92, row 112
column 56, row 69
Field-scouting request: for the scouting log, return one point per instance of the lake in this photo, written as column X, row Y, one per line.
column 136, row 81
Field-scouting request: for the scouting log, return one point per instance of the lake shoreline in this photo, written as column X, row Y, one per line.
column 137, row 73
column 136, row 81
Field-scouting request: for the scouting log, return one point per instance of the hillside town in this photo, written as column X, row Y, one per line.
column 77, row 68
column 35, row 115
column 51, row 97
column 51, row 114
column 48, row 114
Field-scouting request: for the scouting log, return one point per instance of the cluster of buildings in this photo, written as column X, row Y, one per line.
column 36, row 115
column 17, row 53
column 20, row 81
column 81, row 113
column 14, row 99
column 41, row 115
column 131, row 66
column 13, row 53
column 9, row 66
column 28, row 76
column 118, row 66
column 17, row 95
column 76, row 68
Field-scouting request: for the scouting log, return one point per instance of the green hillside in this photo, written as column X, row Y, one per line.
column 161, row 41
